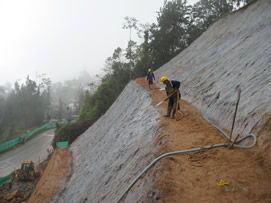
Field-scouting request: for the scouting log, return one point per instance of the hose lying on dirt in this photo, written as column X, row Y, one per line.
column 190, row 150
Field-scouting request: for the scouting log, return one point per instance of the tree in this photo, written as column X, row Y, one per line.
column 169, row 36
column 206, row 12
column 178, row 25
column 24, row 107
column 144, row 56
column 131, row 23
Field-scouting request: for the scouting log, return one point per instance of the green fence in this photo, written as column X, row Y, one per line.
column 5, row 179
column 9, row 144
column 62, row 144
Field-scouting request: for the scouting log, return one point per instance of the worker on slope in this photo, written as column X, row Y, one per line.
column 172, row 89
column 150, row 77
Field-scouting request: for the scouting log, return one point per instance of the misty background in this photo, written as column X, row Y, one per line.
column 70, row 60
column 62, row 38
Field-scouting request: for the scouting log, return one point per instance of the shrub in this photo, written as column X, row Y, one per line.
column 71, row 131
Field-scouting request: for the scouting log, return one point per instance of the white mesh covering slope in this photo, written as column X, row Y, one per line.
column 233, row 53
column 114, row 150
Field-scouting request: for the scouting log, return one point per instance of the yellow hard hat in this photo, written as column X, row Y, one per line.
column 149, row 70
column 163, row 79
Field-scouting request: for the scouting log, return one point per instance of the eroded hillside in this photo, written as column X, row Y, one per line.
column 233, row 53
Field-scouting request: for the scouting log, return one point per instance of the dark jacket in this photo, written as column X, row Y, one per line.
column 175, row 84
column 150, row 76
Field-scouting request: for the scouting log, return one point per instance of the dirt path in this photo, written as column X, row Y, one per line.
column 194, row 177
column 54, row 176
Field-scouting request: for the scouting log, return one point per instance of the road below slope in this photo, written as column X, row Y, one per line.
column 34, row 150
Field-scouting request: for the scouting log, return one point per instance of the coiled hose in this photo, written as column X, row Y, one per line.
column 190, row 150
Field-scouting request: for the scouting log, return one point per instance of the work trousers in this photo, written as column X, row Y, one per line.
column 172, row 102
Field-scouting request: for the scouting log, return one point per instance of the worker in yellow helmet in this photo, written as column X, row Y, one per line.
column 172, row 90
column 150, row 77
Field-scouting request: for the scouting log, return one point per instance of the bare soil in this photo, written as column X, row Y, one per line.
column 56, row 174
column 194, row 177
column 25, row 187
column 190, row 177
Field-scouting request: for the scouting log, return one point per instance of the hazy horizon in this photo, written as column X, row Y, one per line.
column 61, row 39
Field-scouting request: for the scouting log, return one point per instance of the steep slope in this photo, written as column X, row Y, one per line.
column 55, row 175
column 114, row 149
column 190, row 177
column 194, row 176
column 233, row 53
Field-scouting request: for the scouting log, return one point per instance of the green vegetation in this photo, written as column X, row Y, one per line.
column 29, row 105
column 178, row 25
column 23, row 109
column 70, row 131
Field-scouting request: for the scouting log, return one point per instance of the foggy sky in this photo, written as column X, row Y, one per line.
column 63, row 37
